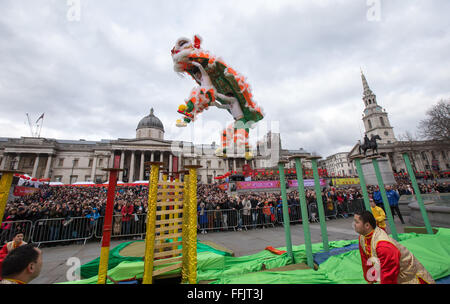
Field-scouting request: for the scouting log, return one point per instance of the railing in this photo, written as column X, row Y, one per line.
column 218, row 219
column 82, row 229
column 62, row 230
column 134, row 225
column 10, row 228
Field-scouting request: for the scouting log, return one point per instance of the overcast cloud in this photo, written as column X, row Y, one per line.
column 97, row 77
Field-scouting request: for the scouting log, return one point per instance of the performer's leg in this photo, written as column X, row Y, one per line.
column 397, row 210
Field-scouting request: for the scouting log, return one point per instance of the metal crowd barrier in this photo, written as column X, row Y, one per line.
column 135, row 225
column 61, row 230
column 10, row 228
column 255, row 217
column 295, row 215
column 218, row 219
column 331, row 210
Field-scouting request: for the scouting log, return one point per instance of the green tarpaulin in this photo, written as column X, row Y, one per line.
column 433, row 251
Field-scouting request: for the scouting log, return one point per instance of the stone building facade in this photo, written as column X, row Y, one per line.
column 70, row 161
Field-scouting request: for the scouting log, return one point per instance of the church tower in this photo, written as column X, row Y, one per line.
column 376, row 121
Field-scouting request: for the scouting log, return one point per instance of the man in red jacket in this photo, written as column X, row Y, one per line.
column 383, row 259
column 16, row 242
column 127, row 212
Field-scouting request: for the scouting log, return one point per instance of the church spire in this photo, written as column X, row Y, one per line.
column 367, row 90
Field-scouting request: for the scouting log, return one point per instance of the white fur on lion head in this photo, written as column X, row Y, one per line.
column 183, row 47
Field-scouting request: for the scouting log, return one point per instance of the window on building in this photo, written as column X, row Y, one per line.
column 87, row 178
column 208, row 164
column 444, row 155
column 100, row 162
column 58, row 178
column 61, row 162
column 73, row 179
column 382, row 121
column 198, row 162
column 90, row 163
column 75, row 162
column 209, row 178
column 369, row 123
column 386, row 133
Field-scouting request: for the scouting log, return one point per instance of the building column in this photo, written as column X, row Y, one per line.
column 35, row 167
column 180, row 162
column 131, row 177
column 3, row 163
column 16, row 164
column 152, row 157
column 161, row 159
column 47, row 167
column 111, row 160
column 94, row 167
column 170, row 163
column 234, row 164
column 122, row 161
column 141, row 168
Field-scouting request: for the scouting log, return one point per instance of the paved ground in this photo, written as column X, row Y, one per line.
column 55, row 259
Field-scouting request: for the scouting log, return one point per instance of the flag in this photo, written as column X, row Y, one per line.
column 40, row 117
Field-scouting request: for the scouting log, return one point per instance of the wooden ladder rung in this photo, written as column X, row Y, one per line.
column 167, row 269
column 173, row 211
column 163, row 222
column 170, row 184
column 168, row 228
column 167, row 261
column 168, row 236
column 167, row 253
column 170, row 203
column 168, row 190
column 168, row 245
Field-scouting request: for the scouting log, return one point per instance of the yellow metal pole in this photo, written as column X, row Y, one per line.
column 192, row 225
column 184, row 230
column 175, row 207
column 151, row 219
column 163, row 217
column 5, row 187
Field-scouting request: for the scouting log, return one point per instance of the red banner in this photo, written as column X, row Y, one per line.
column 22, row 191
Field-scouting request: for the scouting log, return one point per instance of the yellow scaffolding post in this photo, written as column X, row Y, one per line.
column 5, row 187
column 151, row 219
column 184, row 266
column 192, row 225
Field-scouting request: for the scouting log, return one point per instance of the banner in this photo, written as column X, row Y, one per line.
column 258, row 185
column 346, row 181
column 275, row 184
column 307, row 182
column 22, row 191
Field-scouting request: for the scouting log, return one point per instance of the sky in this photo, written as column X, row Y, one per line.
column 95, row 68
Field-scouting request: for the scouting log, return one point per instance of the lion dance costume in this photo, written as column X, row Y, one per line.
column 220, row 86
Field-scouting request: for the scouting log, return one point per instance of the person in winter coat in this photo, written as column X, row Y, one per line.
column 393, row 198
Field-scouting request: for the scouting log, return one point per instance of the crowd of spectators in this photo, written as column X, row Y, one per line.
column 131, row 202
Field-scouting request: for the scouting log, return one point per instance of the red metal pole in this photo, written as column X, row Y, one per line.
column 107, row 225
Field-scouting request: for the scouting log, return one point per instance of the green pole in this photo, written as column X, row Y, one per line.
column 323, row 225
column 304, row 211
column 417, row 193
column 287, row 226
column 387, row 207
column 362, row 183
